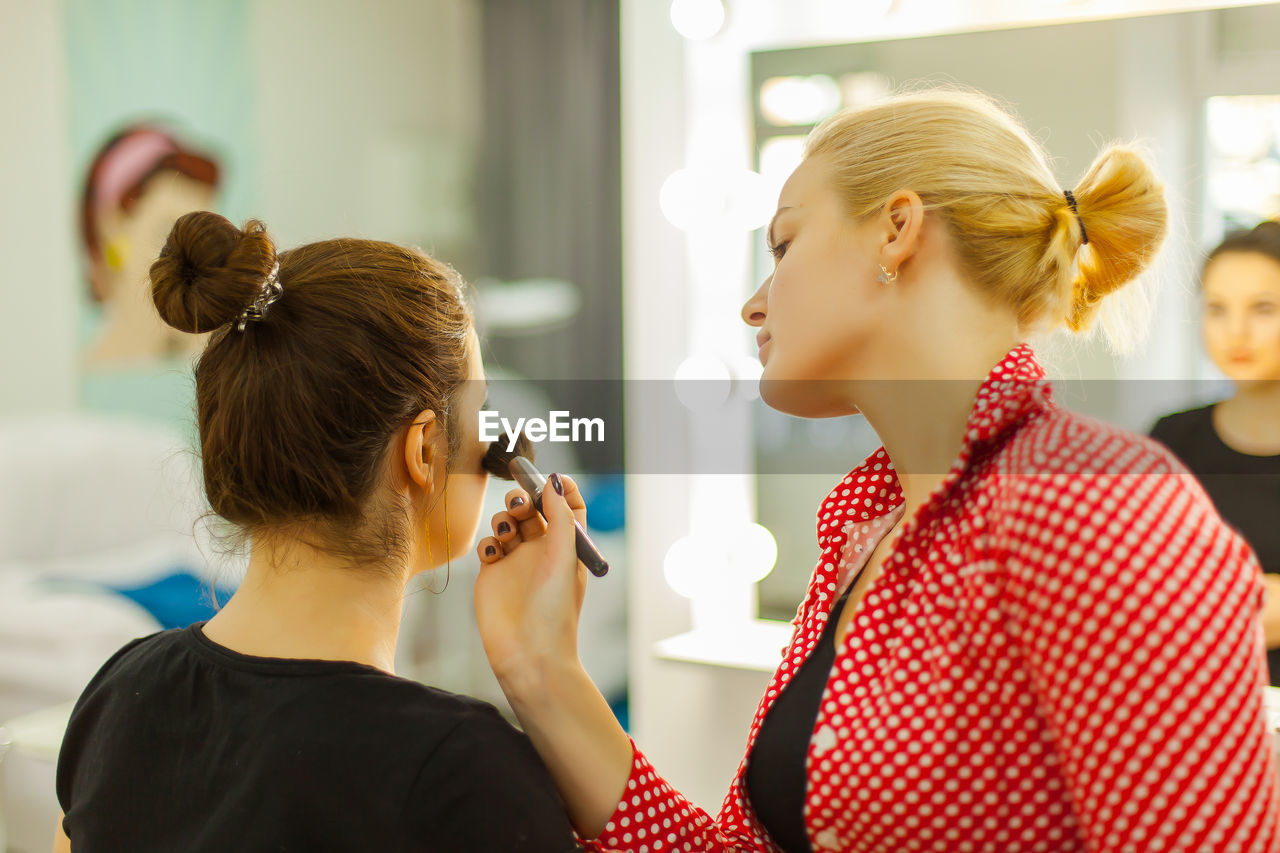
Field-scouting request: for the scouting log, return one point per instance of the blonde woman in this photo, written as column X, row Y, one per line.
column 1026, row 630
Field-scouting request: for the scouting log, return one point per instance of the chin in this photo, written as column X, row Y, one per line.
column 802, row 398
column 1251, row 372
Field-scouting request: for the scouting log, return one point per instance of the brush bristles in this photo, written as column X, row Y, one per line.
column 497, row 459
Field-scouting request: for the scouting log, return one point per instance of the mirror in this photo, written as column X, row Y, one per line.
column 1201, row 89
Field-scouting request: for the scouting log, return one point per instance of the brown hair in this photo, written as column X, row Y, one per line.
column 1015, row 232
column 297, row 411
column 1263, row 239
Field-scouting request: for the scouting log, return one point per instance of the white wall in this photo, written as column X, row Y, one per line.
column 367, row 115
column 38, row 291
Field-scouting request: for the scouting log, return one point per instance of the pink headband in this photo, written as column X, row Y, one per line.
column 128, row 162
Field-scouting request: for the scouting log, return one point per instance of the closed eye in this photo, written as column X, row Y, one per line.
column 778, row 250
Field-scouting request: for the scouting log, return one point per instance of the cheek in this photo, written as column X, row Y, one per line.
column 1269, row 329
column 467, row 490
column 1214, row 332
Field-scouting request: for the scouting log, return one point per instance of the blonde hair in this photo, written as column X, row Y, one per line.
column 1013, row 228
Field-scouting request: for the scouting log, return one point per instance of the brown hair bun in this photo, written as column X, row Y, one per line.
column 209, row 271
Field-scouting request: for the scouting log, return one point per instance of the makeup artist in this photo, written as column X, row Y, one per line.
column 1233, row 447
column 1027, row 629
column 337, row 403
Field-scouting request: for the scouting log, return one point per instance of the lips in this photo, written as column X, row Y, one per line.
column 761, row 339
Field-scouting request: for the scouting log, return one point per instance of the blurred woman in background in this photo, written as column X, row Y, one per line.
column 338, row 403
column 139, row 182
column 1233, row 447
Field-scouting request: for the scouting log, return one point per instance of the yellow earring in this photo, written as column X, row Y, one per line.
column 115, row 253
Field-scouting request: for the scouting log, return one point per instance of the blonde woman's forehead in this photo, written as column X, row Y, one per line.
column 810, row 176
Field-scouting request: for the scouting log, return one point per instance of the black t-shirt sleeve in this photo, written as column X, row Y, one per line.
column 484, row 788
column 81, row 722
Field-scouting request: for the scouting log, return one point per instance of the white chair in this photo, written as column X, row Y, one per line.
column 85, row 500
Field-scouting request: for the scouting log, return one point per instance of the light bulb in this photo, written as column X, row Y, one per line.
column 691, row 197
column 753, row 553
column 703, row 382
column 694, row 567
column 697, row 20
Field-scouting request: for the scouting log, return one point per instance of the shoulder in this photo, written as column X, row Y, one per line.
column 481, row 734
column 452, row 732
column 134, row 656
column 484, row 787
column 1180, row 427
column 1070, row 483
column 1059, row 444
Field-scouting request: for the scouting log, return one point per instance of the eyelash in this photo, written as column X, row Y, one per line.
column 778, row 251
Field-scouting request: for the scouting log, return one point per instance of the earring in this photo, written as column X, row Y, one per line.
column 886, row 277
column 116, row 253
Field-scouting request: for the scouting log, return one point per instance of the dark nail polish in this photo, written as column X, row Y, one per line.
column 503, row 528
column 517, row 501
column 489, row 550
column 556, row 484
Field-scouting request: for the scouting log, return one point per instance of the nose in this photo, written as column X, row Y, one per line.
column 755, row 308
column 1238, row 327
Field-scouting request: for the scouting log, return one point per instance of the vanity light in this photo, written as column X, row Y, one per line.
column 753, row 553
column 693, row 199
column 799, row 101
column 697, row 20
column 703, row 382
column 695, row 567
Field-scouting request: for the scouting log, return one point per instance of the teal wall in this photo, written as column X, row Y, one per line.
column 186, row 65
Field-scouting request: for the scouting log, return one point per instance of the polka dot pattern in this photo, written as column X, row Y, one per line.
column 1061, row 652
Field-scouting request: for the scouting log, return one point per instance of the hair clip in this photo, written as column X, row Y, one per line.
column 271, row 291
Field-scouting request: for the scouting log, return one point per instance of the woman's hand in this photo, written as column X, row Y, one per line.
column 528, row 597
column 531, row 585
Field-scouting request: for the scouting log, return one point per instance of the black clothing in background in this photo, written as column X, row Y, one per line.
column 776, row 778
column 1245, row 489
column 179, row 744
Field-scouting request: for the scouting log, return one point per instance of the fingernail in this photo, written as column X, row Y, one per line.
column 556, row 484
column 515, row 502
column 503, row 529
column 489, row 550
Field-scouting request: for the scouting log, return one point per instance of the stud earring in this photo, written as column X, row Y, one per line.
column 116, row 253
column 886, row 277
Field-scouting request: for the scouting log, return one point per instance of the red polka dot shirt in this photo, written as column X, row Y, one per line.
column 1062, row 652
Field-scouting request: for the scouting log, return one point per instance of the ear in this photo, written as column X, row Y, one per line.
column 902, row 219
column 420, row 448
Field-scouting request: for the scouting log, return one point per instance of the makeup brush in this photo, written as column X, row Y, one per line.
column 514, row 464
column 498, row 459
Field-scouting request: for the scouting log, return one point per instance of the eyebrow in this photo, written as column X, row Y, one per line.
column 769, row 233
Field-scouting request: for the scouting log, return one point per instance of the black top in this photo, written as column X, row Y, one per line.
column 1244, row 488
column 776, row 780
column 179, row 744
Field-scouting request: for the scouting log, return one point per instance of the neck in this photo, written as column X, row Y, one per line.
column 1250, row 420
column 922, row 406
column 298, row 602
column 1261, row 397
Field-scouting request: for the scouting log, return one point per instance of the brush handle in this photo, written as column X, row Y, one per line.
column 533, row 482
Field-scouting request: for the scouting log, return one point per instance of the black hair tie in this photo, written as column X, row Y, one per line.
column 1071, row 200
